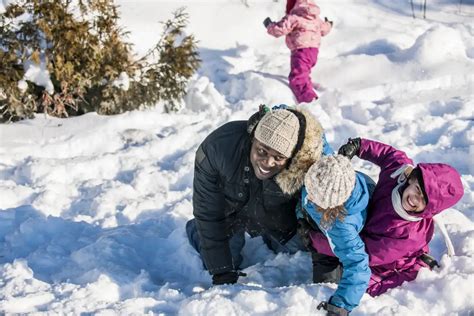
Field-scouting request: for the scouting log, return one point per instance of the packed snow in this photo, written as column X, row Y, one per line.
column 93, row 208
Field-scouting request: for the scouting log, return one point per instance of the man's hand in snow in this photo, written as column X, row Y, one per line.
column 230, row 277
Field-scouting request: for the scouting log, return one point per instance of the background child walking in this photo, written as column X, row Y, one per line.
column 303, row 29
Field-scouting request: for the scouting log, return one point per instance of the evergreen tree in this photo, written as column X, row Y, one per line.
column 83, row 49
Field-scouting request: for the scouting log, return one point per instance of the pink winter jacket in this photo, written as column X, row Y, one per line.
column 302, row 26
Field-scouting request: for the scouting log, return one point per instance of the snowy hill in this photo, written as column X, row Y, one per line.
column 93, row 208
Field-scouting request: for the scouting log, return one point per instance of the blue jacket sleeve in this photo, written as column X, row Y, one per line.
column 298, row 209
column 327, row 149
column 349, row 248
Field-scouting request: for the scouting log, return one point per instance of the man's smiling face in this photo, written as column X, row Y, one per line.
column 266, row 162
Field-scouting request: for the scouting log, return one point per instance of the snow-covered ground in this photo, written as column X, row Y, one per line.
column 93, row 208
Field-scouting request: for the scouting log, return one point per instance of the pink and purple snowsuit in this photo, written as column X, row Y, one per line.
column 303, row 29
column 395, row 244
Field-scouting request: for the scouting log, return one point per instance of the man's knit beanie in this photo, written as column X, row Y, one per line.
column 330, row 181
column 278, row 130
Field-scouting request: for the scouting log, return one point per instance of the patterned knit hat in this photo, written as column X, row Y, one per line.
column 330, row 181
column 279, row 130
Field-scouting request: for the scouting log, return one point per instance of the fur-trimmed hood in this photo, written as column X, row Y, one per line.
column 291, row 179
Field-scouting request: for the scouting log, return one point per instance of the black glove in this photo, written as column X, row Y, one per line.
column 326, row 20
column 430, row 261
column 351, row 149
column 303, row 228
column 230, row 277
column 267, row 22
column 333, row 310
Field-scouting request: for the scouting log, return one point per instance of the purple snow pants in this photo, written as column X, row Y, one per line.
column 302, row 60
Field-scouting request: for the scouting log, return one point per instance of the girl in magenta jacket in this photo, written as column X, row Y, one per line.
column 400, row 221
column 303, row 29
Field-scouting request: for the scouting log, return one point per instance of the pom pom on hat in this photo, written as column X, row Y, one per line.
column 330, row 181
column 279, row 130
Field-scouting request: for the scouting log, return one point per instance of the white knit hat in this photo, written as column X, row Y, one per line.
column 279, row 130
column 330, row 181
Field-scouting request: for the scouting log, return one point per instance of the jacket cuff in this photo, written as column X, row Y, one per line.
column 217, row 260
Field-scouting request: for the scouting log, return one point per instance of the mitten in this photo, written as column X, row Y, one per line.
column 430, row 261
column 267, row 22
column 333, row 310
column 230, row 277
column 351, row 149
column 329, row 21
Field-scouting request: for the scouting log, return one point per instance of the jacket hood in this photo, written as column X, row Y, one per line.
column 305, row 8
column 443, row 187
column 291, row 179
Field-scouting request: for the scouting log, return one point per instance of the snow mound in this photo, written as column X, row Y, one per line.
column 202, row 96
column 437, row 45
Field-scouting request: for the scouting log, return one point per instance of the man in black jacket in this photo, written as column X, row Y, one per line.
column 247, row 178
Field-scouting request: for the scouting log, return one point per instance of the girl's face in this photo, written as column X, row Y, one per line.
column 412, row 198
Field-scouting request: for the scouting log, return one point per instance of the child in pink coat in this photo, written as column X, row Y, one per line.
column 303, row 29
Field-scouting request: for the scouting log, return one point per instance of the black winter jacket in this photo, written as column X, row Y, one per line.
column 228, row 197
